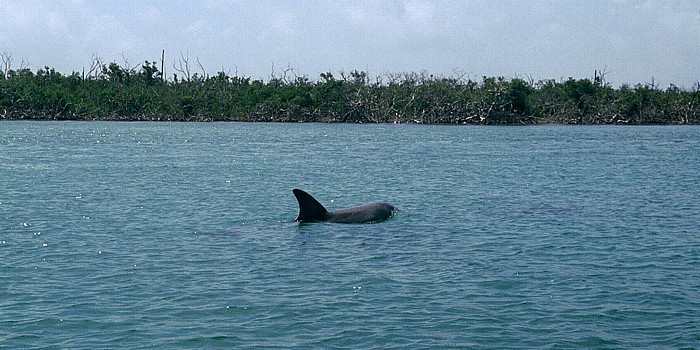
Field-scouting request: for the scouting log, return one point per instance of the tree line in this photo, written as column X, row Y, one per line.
column 121, row 92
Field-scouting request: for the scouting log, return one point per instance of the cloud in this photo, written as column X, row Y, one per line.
column 633, row 40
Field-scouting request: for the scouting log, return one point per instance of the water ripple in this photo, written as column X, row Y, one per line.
column 181, row 236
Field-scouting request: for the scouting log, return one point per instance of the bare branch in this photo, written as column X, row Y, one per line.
column 287, row 70
column 6, row 64
column 599, row 76
column 204, row 72
column 127, row 65
column 183, row 65
column 95, row 67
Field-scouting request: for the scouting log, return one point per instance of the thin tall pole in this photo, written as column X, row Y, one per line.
column 162, row 66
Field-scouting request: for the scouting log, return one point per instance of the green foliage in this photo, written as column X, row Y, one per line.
column 121, row 93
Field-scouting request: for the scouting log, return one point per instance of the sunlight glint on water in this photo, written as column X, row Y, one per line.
column 177, row 235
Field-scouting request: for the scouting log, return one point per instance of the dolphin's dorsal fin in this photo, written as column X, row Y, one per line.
column 309, row 208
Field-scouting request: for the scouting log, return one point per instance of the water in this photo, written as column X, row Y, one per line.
column 181, row 235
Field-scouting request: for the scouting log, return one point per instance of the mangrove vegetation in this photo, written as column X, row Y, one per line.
column 109, row 91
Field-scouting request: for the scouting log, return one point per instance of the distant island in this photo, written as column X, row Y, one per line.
column 113, row 92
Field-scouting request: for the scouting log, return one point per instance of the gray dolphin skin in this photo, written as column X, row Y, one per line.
column 310, row 210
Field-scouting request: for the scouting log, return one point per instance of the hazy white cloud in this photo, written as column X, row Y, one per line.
column 633, row 40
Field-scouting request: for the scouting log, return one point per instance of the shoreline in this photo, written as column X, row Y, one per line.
column 121, row 94
column 163, row 119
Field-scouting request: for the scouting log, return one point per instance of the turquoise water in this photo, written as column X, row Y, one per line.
column 181, row 235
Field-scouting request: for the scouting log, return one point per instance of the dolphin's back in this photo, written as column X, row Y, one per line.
column 372, row 212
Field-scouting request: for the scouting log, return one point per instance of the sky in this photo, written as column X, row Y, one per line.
column 633, row 42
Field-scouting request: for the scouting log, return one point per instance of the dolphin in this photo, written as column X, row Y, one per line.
column 310, row 210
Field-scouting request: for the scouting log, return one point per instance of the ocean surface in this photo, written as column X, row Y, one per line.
column 182, row 235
